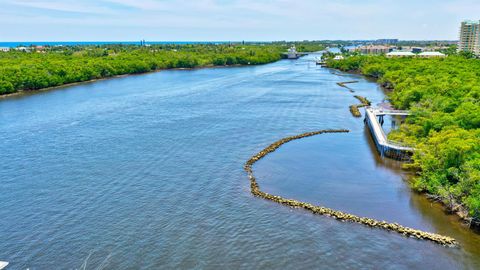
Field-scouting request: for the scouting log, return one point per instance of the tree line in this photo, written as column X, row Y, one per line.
column 55, row 66
column 444, row 98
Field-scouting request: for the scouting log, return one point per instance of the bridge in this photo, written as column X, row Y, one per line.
column 386, row 147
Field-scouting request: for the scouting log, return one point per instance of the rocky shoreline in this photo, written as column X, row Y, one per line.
column 457, row 209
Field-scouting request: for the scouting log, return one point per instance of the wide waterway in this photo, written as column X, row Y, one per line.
column 145, row 172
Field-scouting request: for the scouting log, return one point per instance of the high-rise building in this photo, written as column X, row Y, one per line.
column 470, row 37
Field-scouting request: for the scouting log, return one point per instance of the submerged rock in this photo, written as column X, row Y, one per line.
column 355, row 111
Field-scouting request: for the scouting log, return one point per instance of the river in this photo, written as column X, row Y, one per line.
column 146, row 172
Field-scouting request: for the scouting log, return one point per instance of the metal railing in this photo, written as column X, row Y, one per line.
column 394, row 112
column 391, row 143
column 399, row 144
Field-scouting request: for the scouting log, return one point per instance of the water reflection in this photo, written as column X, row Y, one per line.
column 147, row 171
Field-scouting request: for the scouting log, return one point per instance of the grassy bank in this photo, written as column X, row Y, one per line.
column 46, row 67
column 444, row 97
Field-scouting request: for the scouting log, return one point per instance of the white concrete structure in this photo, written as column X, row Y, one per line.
column 4, row 49
column 431, row 55
column 385, row 146
column 3, row 265
column 400, row 54
column 339, row 57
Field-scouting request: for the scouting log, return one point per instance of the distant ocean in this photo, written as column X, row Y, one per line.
column 71, row 43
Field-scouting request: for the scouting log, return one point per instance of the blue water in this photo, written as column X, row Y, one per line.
column 145, row 172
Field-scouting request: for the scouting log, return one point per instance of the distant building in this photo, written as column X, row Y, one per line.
column 409, row 49
column 372, row 49
column 470, row 37
column 39, row 48
column 400, row 54
column 388, row 41
column 417, row 50
column 4, row 49
column 23, row 49
column 431, row 55
column 435, row 48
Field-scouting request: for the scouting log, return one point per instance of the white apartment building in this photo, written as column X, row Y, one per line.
column 470, row 37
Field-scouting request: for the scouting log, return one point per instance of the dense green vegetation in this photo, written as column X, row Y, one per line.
column 444, row 97
column 53, row 66
column 58, row 66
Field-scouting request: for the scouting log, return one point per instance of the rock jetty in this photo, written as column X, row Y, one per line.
column 320, row 210
column 354, row 108
column 344, row 84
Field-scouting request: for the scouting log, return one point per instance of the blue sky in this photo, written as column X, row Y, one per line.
column 182, row 20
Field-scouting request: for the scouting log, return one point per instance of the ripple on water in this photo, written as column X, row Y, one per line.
column 146, row 172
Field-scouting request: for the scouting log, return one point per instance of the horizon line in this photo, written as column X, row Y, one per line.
column 304, row 40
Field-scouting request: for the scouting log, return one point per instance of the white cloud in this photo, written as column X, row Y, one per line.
column 141, row 4
column 63, row 6
column 244, row 19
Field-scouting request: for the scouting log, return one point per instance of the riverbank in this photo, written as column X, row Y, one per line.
column 58, row 66
column 450, row 207
column 84, row 160
column 438, row 133
column 31, row 92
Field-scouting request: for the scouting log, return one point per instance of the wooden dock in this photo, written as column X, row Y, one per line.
column 384, row 146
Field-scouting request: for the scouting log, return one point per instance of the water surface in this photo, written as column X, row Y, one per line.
column 146, row 172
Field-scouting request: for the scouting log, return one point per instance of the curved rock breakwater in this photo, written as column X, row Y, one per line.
column 320, row 210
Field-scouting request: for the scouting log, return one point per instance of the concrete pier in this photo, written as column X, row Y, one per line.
column 384, row 146
column 3, row 265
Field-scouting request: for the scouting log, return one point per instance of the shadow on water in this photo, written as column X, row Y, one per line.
column 387, row 163
column 433, row 212
column 308, row 174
